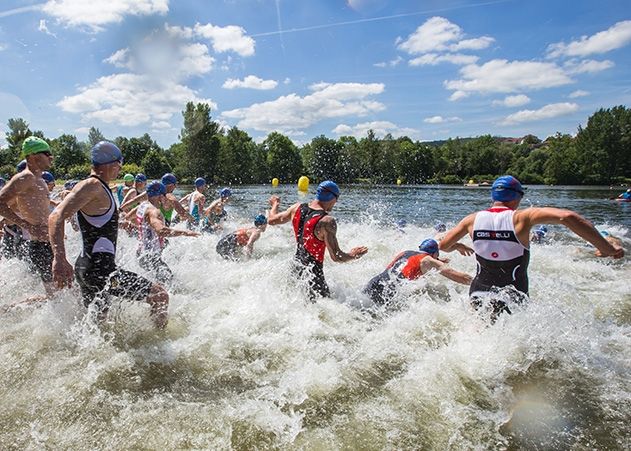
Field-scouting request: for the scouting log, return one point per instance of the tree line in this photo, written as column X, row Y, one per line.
column 600, row 153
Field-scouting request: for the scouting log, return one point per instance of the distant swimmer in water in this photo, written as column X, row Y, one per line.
column 170, row 205
column 410, row 265
column 240, row 243
column 613, row 240
column 215, row 213
column 50, row 183
column 24, row 202
column 626, row 196
column 501, row 242
column 140, row 183
column 95, row 269
column 195, row 201
column 153, row 231
column 315, row 231
column 123, row 188
column 538, row 235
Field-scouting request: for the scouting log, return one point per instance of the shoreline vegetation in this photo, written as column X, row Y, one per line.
column 599, row 154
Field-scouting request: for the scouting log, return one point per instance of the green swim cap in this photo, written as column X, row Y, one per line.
column 128, row 178
column 33, row 145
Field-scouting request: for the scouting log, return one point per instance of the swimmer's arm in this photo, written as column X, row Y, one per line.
column 250, row 246
column 444, row 270
column 212, row 205
column 128, row 202
column 156, row 221
column 184, row 200
column 276, row 218
column 576, row 223
column 454, row 235
column 328, row 227
column 180, row 209
column 462, row 248
column 7, row 194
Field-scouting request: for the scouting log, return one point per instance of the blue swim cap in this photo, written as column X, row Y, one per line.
column 70, row 184
column 401, row 223
column 140, row 178
column 429, row 246
column 506, row 188
column 105, row 152
column 48, row 177
column 604, row 233
column 200, row 181
column 260, row 220
column 2, row 182
column 169, row 179
column 440, row 227
column 327, row 190
column 541, row 231
column 21, row 166
column 226, row 192
column 156, row 188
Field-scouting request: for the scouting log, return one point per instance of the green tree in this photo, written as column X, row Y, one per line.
column 201, row 144
column 236, row 157
column 369, row 150
column 562, row 165
column 283, row 158
column 95, row 136
column 18, row 131
column 155, row 164
column 348, row 163
column 68, row 152
column 325, row 159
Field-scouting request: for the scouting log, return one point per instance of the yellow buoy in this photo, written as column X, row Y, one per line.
column 471, row 182
column 274, row 182
column 399, row 181
column 303, row 183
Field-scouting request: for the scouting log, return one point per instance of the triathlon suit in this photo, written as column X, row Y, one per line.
column 310, row 250
column 95, row 268
column 502, row 259
column 626, row 196
column 229, row 247
column 120, row 194
column 150, row 247
column 193, row 209
column 168, row 215
column 13, row 245
column 405, row 266
column 39, row 256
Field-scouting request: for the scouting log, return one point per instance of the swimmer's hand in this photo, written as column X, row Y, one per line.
column 464, row 249
column 358, row 252
column 274, row 200
column 618, row 252
column 62, row 272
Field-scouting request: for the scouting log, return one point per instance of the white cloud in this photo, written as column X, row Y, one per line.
column 160, row 125
column 130, row 100
column 3, row 46
column 44, row 28
column 587, row 66
column 292, row 113
column 578, row 93
column 286, row 81
column 82, row 130
column 432, row 59
column 513, row 101
column 613, row 38
column 438, row 34
column 380, row 128
column 250, row 82
column 392, row 63
column 457, row 95
column 441, row 120
column 546, row 112
column 508, row 76
column 224, row 39
column 97, row 13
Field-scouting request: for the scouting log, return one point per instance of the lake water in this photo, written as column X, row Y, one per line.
column 245, row 363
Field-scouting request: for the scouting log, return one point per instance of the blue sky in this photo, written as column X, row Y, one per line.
column 426, row 69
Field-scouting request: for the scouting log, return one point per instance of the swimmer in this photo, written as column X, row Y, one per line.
column 153, row 230
column 171, row 203
column 216, row 212
column 24, row 203
column 122, row 189
column 241, row 243
column 95, row 269
column 195, row 201
column 315, row 231
column 626, row 195
column 140, row 182
column 501, row 240
column 50, row 183
column 410, row 265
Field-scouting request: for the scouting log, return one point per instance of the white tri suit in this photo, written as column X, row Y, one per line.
column 502, row 259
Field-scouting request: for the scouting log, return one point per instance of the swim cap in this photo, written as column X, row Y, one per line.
column 506, row 188
column 260, row 220
column 21, row 166
column 105, row 152
column 200, row 181
column 156, row 188
column 70, row 184
column 327, row 190
column 128, row 178
column 33, row 145
column 604, row 233
column 429, row 246
column 140, row 178
column 169, row 179
column 226, row 192
column 48, row 177
column 2, row 182
column 401, row 223
column 440, row 227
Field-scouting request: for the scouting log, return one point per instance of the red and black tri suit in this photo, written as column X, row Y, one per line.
column 310, row 250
